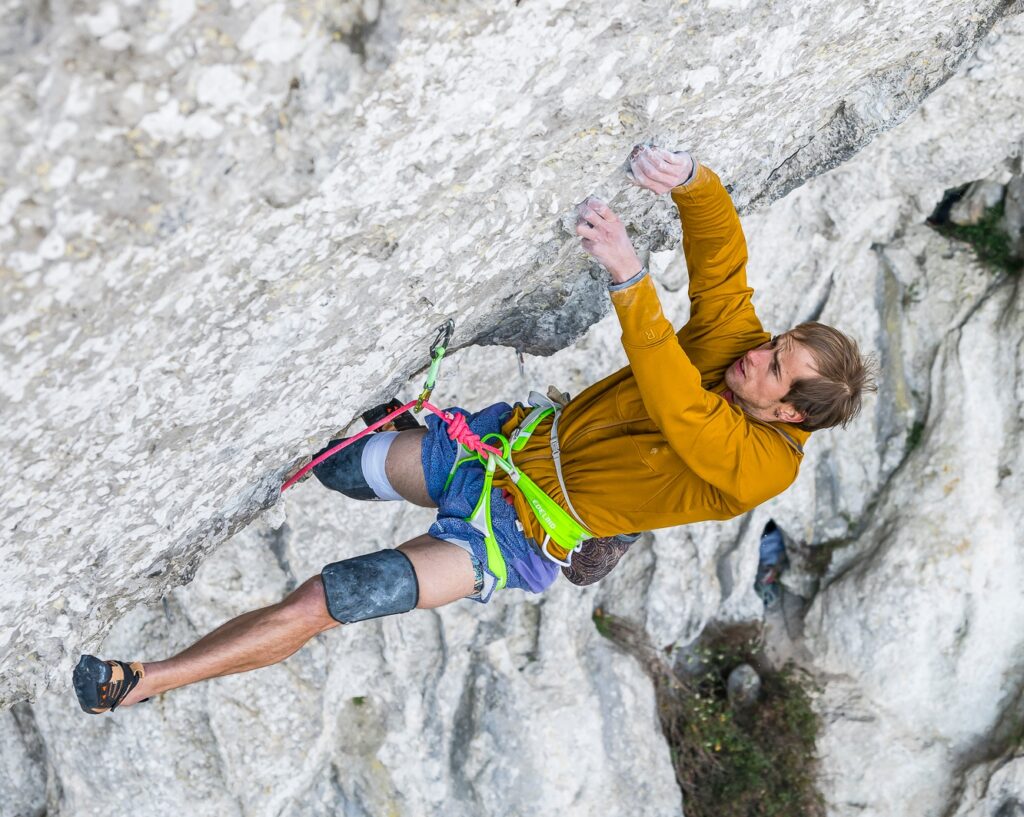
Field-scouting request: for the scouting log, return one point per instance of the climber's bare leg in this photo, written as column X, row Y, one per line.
column 404, row 467
column 256, row 639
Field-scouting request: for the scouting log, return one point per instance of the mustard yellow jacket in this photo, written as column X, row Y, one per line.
column 655, row 444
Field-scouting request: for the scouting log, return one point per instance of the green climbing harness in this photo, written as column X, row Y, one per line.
column 559, row 526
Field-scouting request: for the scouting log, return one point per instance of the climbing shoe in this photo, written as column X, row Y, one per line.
column 596, row 558
column 101, row 686
column 403, row 422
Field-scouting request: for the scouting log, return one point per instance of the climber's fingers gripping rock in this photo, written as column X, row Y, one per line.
column 604, row 238
column 657, row 169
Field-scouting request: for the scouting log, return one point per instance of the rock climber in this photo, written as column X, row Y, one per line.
column 702, row 424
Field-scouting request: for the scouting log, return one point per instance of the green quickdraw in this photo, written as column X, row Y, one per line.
column 437, row 350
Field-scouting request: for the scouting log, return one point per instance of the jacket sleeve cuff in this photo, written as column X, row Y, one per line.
column 640, row 315
column 693, row 169
column 630, row 281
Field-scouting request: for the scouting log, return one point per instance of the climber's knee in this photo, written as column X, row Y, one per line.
column 308, row 602
column 357, row 470
column 369, row 586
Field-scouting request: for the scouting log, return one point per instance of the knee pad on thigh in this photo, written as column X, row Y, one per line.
column 370, row 586
column 343, row 471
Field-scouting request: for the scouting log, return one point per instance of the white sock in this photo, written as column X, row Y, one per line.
column 375, row 454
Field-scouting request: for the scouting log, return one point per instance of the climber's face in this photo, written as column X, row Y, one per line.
column 758, row 381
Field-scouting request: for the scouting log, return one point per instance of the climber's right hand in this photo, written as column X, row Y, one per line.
column 657, row 169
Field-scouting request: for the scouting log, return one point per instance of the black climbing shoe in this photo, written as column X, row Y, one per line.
column 596, row 558
column 102, row 685
column 403, row 422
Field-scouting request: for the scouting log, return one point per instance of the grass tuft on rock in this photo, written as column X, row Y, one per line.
column 988, row 238
column 758, row 762
column 915, row 435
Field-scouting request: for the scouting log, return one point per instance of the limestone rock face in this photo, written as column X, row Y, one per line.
column 996, row 789
column 979, row 197
column 23, row 763
column 921, row 635
column 517, row 708
column 1013, row 220
column 916, row 633
column 298, row 194
column 223, row 229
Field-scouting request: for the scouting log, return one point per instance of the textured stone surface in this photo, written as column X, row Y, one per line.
column 1013, row 219
column 916, row 633
column 222, row 229
column 922, row 634
column 22, row 764
column 519, row 708
column 994, row 790
column 743, row 686
column 979, row 197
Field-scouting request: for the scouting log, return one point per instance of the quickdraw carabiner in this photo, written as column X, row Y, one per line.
column 443, row 338
column 437, row 350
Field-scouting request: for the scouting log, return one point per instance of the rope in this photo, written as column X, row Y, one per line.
column 458, row 430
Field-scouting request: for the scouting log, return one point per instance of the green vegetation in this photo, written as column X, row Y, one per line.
column 819, row 558
column 989, row 240
column 914, row 435
column 758, row 762
column 603, row 623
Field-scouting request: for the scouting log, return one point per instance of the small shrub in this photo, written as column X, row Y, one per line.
column 755, row 763
column 603, row 623
column 988, row 238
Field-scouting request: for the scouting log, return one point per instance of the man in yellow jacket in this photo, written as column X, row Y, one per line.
column 702, row 424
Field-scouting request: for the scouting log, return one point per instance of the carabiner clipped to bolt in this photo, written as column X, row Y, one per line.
column 443, row 337
column 437, row 350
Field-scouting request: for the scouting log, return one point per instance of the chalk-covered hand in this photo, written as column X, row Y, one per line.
column 604, row 237
column 657, row 169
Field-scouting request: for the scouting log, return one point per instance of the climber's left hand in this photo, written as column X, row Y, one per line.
column 604, row 237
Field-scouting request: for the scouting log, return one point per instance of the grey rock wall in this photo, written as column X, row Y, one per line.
column 23, row 764
column 915, row 633
column 223, row 228
column 520, row 707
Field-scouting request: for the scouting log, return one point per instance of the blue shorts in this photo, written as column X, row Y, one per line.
column 527, row 568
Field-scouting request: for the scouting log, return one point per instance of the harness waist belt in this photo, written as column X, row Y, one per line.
column 563, row 529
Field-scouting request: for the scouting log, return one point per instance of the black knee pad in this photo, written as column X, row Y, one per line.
column 370, row 586
column 343, row 471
